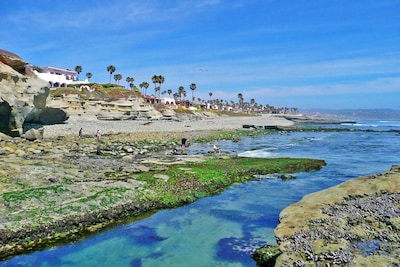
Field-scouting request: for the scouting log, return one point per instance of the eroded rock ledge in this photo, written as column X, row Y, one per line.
column 23, row 98
column 356, row 223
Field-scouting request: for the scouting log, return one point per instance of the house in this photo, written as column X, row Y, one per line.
column 57, row 77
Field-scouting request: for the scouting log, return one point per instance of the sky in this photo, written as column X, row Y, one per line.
column 306, row 54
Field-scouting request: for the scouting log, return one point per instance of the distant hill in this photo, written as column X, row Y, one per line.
column 355, row 114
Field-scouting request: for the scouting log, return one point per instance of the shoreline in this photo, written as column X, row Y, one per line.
column 91, row 124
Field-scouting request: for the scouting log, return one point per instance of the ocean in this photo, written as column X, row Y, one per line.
column 223, row 230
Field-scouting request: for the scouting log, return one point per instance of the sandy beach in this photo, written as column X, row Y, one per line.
column 91, row 124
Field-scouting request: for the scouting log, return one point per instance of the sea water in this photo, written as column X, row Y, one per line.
column 224, row 230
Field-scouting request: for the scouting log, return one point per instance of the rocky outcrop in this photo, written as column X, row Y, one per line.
column 355, row 223
column 23, row 98
column 133, row 108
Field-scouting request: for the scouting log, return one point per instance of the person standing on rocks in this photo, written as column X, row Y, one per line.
column 183, row 147
column 98, row 135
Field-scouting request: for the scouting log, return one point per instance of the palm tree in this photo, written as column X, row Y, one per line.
column 141, row 85
column 193, row 87
column 161, row 80
column 210, row 94
column 117, row 78
column 157, row 89
column 169, row 92
column 130, row 81
column 78, row 69
column 154, row 79
column 89, row 75
column 252, row 103
column 240, row 96
column 145, row 85
column 111, row 69
column 181, row 89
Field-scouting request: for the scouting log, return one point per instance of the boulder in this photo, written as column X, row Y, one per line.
column 23, row 97
column 34, row 134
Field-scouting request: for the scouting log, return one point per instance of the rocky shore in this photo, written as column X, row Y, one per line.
column 356, row 223
column 90, row 183
column 61, row 186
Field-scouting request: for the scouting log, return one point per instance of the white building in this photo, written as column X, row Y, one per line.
column 58, row 77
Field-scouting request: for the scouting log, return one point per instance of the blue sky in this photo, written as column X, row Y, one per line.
column 286, row 53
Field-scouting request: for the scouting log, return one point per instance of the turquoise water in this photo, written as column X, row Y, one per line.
column 223, row 230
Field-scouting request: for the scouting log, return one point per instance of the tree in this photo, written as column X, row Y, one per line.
column 193, row 87
column 111, row 69
column 252, row 103
column 240, row 97
column 130, row 81
column 210, row 94
column 161, row 80
column 141, row 85
column 78, row 69
column 181, row 90
column 154, row 79
column 89, row 75
column 157, row 89
column 169, row 91
column 145, row 85
column 117, row 78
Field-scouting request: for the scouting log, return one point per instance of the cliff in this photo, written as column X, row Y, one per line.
column 23, row 98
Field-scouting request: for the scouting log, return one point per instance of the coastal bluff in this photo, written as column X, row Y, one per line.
column 356, row 223
column 23, row 98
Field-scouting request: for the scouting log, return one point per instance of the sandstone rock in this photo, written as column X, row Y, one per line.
column 34, row 134
column 23, row 97
column 4, row 137
column 12, row 60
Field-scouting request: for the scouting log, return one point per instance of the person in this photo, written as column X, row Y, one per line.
column 98, row 135
column 216, row 148
column 80, row 133
column 183, row 148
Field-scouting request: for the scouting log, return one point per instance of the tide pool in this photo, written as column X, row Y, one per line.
column 224, row 230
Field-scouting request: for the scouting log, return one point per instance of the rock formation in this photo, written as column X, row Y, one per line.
column 132, row 108
column 23, row 98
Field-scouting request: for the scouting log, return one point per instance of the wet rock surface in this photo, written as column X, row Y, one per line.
column 356, row 223
column 58, row 189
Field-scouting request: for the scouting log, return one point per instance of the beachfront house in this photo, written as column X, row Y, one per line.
column 57, row 77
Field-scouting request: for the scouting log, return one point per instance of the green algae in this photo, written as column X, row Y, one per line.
column 190, row 181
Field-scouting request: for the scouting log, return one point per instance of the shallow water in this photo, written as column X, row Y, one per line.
column 223, row 230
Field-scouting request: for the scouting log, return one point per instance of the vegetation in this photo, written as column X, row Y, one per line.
column 194, row 180
column 107, row 92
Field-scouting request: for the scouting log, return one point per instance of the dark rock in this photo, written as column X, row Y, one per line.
column 266, row 255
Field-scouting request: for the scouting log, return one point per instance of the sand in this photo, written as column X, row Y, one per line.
column 90, row 125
